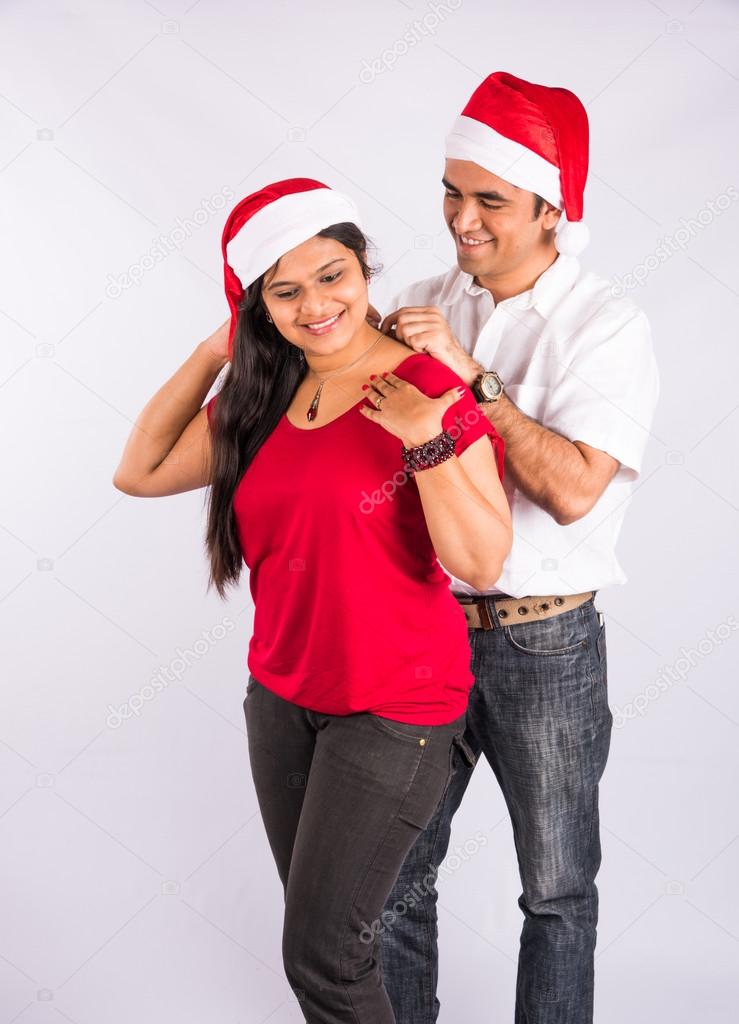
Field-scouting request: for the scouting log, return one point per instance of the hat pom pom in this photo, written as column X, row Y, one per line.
column 572, row 238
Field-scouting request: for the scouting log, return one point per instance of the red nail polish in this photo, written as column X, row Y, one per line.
column 365, row 387
column 372, row 376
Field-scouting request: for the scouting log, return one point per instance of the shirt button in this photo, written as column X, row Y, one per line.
column 422, row 743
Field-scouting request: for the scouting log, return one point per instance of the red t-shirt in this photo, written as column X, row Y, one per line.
column 353, row 611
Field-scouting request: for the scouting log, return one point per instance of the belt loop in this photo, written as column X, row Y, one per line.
column 490, row 612
column 485, row 619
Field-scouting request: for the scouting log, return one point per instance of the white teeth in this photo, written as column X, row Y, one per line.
column 324, row 323
column 473, row 241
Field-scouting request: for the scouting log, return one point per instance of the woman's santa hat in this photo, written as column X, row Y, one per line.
column 266, row 224
column 533, row 136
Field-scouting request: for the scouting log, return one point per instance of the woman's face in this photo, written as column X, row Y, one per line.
column 317, row 296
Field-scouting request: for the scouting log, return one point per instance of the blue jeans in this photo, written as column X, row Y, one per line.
column 539, row 713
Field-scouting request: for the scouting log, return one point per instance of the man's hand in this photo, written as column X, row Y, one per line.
column 424, row 329
column 373, row 317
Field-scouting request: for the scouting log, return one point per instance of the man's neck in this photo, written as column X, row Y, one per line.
column 506, row 285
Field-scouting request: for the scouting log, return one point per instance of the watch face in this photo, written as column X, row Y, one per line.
column 490, row 386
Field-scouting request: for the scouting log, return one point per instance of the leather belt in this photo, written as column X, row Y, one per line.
column 512, row 611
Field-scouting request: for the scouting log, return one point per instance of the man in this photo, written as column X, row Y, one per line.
column 567, row 375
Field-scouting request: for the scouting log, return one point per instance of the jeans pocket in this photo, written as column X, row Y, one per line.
column 436, row 769
column 562, row 634
column 417, row 734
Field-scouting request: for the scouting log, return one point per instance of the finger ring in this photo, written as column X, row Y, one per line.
column 380, row 399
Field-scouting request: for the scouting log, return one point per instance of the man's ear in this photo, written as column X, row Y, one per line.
column 550, row 216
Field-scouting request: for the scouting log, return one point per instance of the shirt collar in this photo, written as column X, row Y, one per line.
column 549, row 288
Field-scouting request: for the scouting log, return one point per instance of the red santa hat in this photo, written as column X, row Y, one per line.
column 533, row 136
column 267, row 223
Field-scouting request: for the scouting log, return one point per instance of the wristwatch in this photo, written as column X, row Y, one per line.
column 487, row 387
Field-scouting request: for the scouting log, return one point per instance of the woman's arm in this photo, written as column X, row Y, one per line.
column 463, row 500
column 168, row 450
column 467, row 514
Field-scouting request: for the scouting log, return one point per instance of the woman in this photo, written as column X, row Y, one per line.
column 341, row 465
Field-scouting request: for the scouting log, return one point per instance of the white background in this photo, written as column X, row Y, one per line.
column 137, row 880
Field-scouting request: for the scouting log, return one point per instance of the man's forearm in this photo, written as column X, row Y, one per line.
column 548, row 468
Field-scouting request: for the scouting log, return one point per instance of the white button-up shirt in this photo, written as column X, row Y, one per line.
column 580, row 362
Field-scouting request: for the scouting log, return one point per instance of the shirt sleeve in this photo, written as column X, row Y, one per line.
column 608, row 395
column 464, row 419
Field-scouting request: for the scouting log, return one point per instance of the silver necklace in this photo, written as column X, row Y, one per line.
column 313, row 407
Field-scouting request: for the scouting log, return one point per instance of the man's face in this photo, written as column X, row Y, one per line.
column 491, row 221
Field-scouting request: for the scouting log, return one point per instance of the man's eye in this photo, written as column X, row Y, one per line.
column 490, row 206
column 452, row 195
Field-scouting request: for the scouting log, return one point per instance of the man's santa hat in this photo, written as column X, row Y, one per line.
column 266, row 224
column 533, row 136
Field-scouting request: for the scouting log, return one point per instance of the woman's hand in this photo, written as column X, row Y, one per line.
column 405, row 411
column 217, row 344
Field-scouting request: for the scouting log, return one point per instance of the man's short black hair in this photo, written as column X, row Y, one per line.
column 538, row 203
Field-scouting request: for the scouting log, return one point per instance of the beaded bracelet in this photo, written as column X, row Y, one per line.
column 424, row 456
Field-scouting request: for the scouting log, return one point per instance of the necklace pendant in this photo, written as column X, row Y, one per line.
column 313, row 408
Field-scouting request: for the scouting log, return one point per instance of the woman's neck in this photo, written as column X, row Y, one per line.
column 364, row 341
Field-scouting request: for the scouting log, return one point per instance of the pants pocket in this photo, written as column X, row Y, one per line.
column 435, row 772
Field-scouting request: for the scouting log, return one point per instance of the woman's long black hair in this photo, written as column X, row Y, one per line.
column 262, row 379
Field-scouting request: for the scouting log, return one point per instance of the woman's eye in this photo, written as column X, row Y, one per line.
column 331, row 277
column 285, row 295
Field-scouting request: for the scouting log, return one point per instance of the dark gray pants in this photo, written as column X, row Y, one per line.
column 343, row 800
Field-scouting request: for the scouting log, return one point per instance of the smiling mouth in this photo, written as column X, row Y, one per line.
column 472, row 243
column 322, row 326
